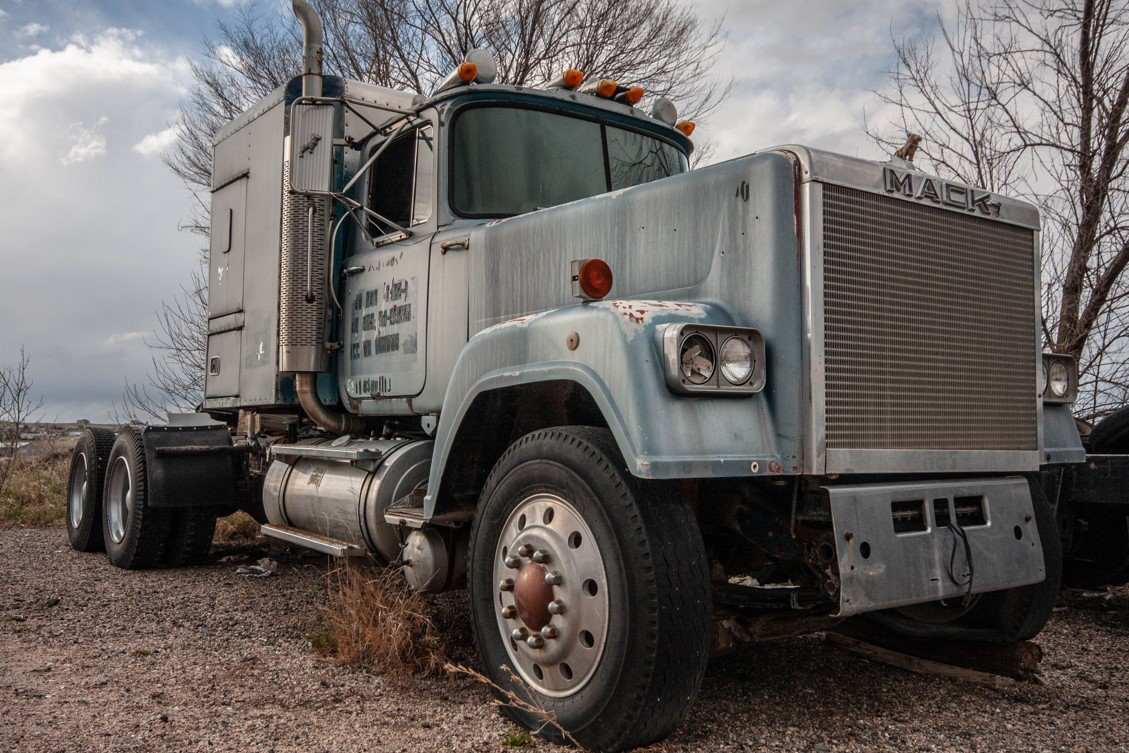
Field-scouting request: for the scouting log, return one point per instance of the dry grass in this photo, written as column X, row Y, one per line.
column 526, row 701
column 36, row 492
column 236, row 528
column 373, row 620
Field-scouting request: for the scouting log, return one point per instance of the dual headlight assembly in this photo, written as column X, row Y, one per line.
column 1058, row 379
column 701, row 360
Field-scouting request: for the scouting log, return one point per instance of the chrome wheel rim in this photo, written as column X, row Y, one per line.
column 76, row 498
column 119, row 500
column 551, row 602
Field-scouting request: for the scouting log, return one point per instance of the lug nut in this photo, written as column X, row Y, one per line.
column 548, row 632
column 540, row 557
column 556, row 607
column 508, row 612
column 519, row 634
column 513, row 562
column 535, row 641
column 524, row 550
column 506, row 584
column 553, row 579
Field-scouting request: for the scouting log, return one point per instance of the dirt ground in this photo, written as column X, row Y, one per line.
column 98, row 659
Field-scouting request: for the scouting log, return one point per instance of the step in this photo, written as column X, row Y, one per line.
column 316, row 541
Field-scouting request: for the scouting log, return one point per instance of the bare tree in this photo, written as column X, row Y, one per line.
column 17, row 409
column 179, row 345
column 1029, row 98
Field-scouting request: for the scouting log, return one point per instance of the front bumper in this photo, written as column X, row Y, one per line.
column 894, row 546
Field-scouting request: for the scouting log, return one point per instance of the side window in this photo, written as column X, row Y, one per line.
column 401, row 183
column 634, row 158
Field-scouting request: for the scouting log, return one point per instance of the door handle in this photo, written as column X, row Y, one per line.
column 463, row 243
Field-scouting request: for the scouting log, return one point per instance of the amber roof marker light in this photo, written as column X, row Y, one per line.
column 629, row 95
column 687, row 127
column 605, row 88
column 468, row 71
column 591, row 279
column 570, row 79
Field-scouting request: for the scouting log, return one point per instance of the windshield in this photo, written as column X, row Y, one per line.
column 510, row 160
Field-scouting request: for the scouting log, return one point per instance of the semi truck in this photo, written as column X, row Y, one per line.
column 504, row 339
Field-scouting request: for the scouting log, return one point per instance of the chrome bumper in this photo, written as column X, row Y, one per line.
column 894, row 545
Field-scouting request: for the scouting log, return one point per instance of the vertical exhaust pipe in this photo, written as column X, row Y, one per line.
column 304, row 266
column 311, row 48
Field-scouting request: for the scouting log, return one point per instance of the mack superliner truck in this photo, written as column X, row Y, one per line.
column 504, row 339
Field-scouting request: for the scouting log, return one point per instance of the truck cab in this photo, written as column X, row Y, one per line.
column 503, row 338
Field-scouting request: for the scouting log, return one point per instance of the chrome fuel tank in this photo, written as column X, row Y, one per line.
column 342, row 489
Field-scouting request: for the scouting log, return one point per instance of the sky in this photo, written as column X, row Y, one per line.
column 90, row 217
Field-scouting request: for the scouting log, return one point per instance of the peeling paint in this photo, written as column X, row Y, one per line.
column 634, row 315
column 521, row 321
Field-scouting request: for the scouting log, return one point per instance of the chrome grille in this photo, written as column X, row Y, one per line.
column 929, row 327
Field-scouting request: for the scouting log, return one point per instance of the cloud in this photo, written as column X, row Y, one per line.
column 107, row 248
column 806, row 72
column 88, row 142
column 155, row 144
column 32, row 30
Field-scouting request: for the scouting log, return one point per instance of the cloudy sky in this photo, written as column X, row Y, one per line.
column 89, row 216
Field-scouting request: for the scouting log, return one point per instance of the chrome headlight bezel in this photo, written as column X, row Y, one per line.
column 1055, row 362
column 675, row 335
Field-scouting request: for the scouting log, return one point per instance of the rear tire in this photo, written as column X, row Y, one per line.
column 623, row 659
column 190, row 536
column 1099, row 553
column 135, row 533
column 999, row 617
column 84, row 489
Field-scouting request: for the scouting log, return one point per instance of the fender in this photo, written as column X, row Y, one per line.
column 618, row 359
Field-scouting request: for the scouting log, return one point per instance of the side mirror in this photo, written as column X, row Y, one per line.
column 311, row 147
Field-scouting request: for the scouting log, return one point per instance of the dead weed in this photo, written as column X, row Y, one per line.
column 36, row 492
column 373, row 620
column 237, row 527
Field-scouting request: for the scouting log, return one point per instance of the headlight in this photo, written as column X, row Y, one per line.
column 736, row 360
column 706, row 359
column 1059, row 379
column 696, row 356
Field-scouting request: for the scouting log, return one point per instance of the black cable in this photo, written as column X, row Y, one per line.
column 959, row 532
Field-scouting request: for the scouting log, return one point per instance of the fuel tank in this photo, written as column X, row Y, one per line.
column 341, row 489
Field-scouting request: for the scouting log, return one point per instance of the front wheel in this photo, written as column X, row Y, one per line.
column 589, row 591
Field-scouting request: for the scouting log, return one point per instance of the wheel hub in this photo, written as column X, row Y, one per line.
column 532, row 596
column 552, row 601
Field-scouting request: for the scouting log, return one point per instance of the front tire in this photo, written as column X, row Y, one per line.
column 135, row 533
column 84, row 489
column 592, row 588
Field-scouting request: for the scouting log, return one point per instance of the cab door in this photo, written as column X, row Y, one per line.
column 386, row 290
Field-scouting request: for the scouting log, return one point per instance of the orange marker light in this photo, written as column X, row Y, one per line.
column 606, row 88
column 595, row 278
column 687, row 127
column 572, row 78
column 468, row 71
column 633, row 95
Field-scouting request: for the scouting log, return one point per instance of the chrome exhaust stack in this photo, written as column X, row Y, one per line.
column 312, row 39
column 303, row 306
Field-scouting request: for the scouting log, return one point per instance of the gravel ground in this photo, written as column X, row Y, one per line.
column 98, row 659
